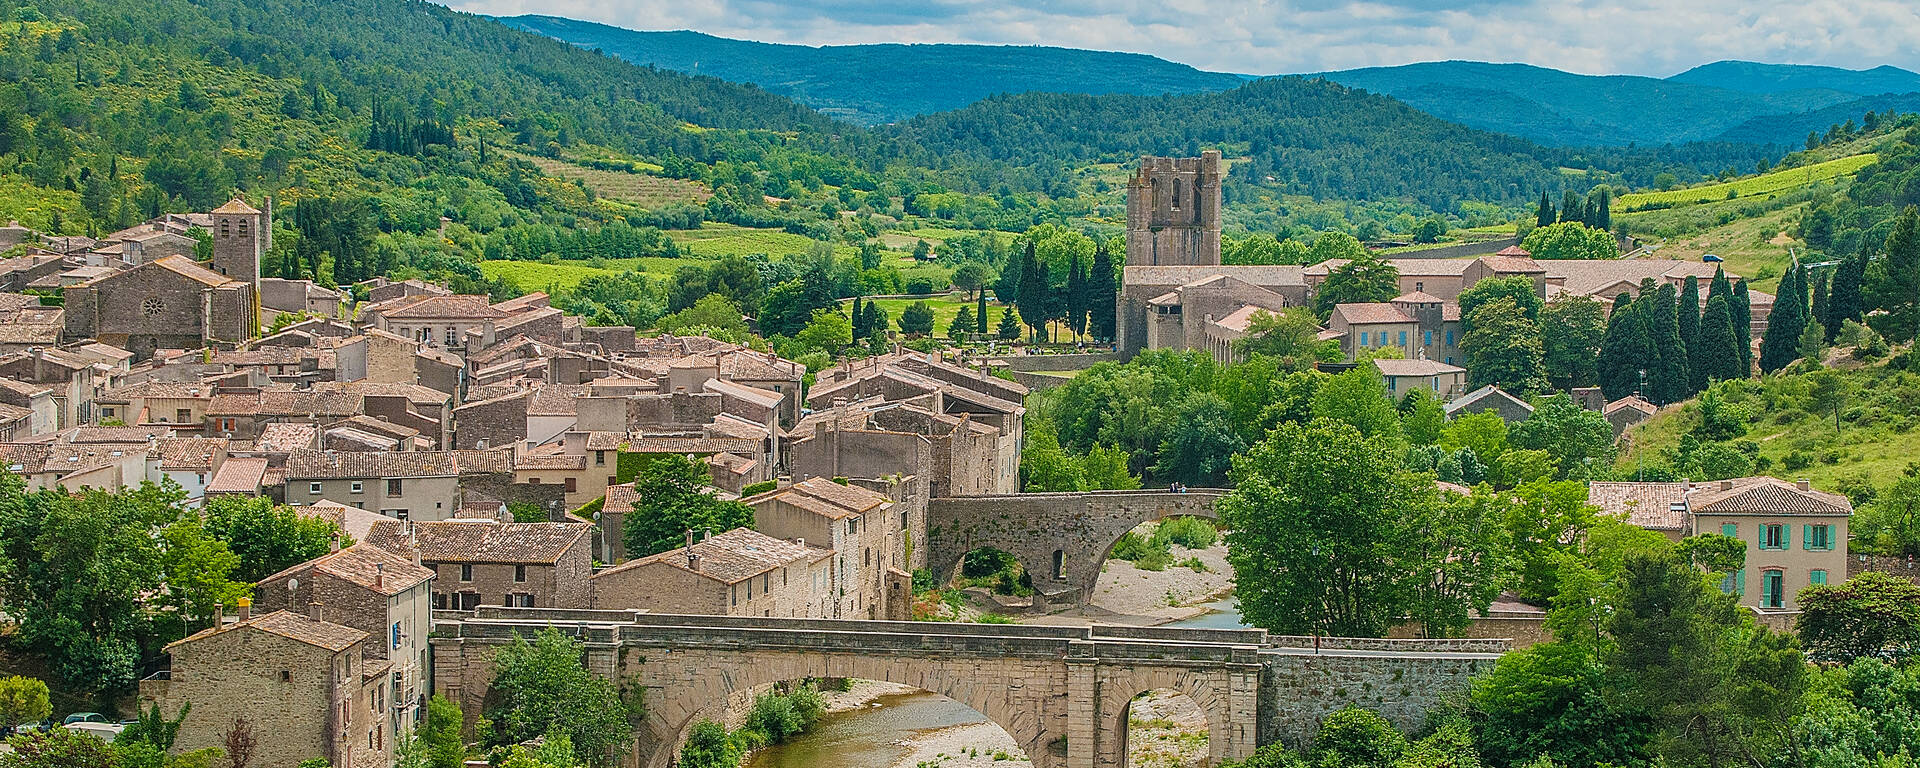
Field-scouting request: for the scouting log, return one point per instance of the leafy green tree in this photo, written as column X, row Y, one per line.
column 1551, row 701
column 1504, row 349
column 1571, row 331
column 1262, row 248
column 1199, row 448
column 1365, row 278
column 1867, row 615
column 828, row 331
column 1104, row 468
column 266, row 538
column 1470, row 561
column 1291, row 336
column 676, row 498
column 713, row 314
column 1325, row 538
column 972, row 277
column 1580, row 441
column 59, row 748
column 439, row 736
column 1430, row 230
column 1571, row 239
column 1358, row 398
column 23, row 700
column 1517, row 289
column 917, row 318
column 1546, row 522
column 1483, row 433
column 1422, row 417
column 541, row 687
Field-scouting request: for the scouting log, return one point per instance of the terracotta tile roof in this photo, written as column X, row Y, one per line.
column 130, row 435
column 23, row 388
column 456, row 307
column 179, row 390
column 189, row 454
column 179, row 265
column 550, row 458
column 321, row 465
column 1406, row 267
column 240, row 474
column 377, row 426
column 733, row 463
column 691, row 444
column 288, row 436
column 556, row 399
column 356, row 522
column 604, row 441
column 1586, row 276
column 31, row 333
column 285, row 402
column 731, row 557
column 490, row 461
column 1415, row 368
column 1261, row 275
column 376, row 569
column 1512, row 264
column 761, row 397
column 1766, row 495
column 1634, row 402
column 620, row 498
column 236, row 206
column 1371, row 313
column 1241, row 319
column 1418, row 297
column 825, row 497
column 475, row 541
column 293, row 626
column 1514, row 250
column 414, row 393
column 1647, row 505
column 1488, row 392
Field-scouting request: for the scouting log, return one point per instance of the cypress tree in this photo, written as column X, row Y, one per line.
column 1822, row 301
column 1742, row 307
column 1844, row 303
column 1603, row 212
column 1077, row 297
column 1544, row 216
column 1572, row 207
column 1667, row 379
column 859, row 319
column 1687, row 309
column 1102, row 296
column 1785, row 324
column 980, row 313
column 1626, row 350
column 1898, row 291
column 1717, row 359
column 1032, row 301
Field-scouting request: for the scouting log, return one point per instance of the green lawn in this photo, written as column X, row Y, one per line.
column 712, row 241
column 1752, row 186
column 1756, row 248
column 945, row 307
column 564, row 275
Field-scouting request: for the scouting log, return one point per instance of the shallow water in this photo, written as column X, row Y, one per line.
column 869, row 737
column 1223, row 614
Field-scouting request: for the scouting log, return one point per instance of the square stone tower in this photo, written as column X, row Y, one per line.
column 241, row 235
column 1173, row 211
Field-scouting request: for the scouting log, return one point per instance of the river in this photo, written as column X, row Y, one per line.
column 868, row 737
column 1223, row 614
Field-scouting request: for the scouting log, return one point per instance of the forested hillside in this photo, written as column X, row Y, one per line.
column 875, row 84
column 1754, row 77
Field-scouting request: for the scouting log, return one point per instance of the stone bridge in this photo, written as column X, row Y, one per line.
column 1061, row 538
column 1062, row 693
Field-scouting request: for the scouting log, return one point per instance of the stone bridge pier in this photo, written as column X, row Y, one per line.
column 1061, row 538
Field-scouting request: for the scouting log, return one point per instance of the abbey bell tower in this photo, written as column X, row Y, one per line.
column 1173, row 211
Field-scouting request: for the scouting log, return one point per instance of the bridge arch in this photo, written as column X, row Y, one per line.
column 1061, row 538
column 1119, row 691
column 676, row 708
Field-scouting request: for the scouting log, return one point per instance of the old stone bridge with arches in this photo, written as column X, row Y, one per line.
column 1062, row 693
column 1061, row 538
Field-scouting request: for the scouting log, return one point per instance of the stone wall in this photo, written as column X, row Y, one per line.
column 1299, row 688
column 1070, row 362
column 1460, row 250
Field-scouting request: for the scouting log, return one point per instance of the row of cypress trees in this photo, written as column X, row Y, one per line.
column 1812, row 301
column 1083, row 298
column 1680, row 345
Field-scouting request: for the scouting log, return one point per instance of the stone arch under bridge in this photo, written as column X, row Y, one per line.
column 1061, row 538
column 1061, row 692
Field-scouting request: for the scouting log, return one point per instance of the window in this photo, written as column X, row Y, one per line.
column 1772, row 589
column 1427, row 339
column 766, row 582
column 1731, row 530
column 573, row 484
column 243, row 227
column 107, row 413
column 182, row 415
column 520, row 573
column 453, row 337
column 599, row 458
column 1419, row 287
column 1773, row 536
column 1363, row 338
column 733, row 594
column 1817, row 577
column 1059, row 564
column 1449, row 338
column 466, row 573
column 853, row 526
column 394, row 485
column 1403, row 338
column 226, row 227
column 1817, row 537
column 313, row 488
column 903, row 521
column 439, row 602
column 353, row 487
column 286, row 676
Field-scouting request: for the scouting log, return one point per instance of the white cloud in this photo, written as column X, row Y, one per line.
column 1650, row 37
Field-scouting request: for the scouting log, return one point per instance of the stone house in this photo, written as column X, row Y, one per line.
column 189, row 461
column 1491, row 398
column 1628, row 411
column 378, row 592
column 294, row 297
column 452, row 322
column 859, row 525
column 484, row 562
column 26, row 324
column 1436, row 378
column 737, row 573
column 180, row 405
column 1796, row 536
column 411, row 485
column 74, row 381
column 303, row 686
column 1419, row 325
column 169, row 303
column 36, row 400
column 245, row 412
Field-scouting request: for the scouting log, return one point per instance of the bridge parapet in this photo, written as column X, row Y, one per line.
column 1395, row 645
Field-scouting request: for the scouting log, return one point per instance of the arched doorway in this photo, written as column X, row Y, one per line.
column 1166, row 729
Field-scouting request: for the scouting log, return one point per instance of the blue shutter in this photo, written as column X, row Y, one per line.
column 1731, row 530
column 1740, row 582
column 1806, row 537
column 1786, row 537
column 1403, row 338
column 1817, row 577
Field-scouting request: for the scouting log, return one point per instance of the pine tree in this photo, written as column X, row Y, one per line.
column 1009, row 325
column 1077, row 297
column 1719, row 357
column 980, row 313
column 1845, row 303
column 962, row 324
column 1603, row 210
column 1544, row 216
column 1102, row 296
column 1687, row 310
column 1667, row 378
column 1785, row 324
column 1627, row 349
column 1742, row 307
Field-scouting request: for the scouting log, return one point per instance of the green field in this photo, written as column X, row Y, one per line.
column 712, row 241
column 1752, row 186
column 561, row 276
column 945, row 307
column 637, row 188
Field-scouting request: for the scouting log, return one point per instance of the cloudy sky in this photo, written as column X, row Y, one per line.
column 1645, row 37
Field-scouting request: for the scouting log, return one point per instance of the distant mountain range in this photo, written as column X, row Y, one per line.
column 1733, row 101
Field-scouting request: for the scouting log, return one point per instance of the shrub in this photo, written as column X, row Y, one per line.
column 920, row 286
column 1189, row 532
column 1358, row 738
column 1130, row 547
column 754, row 489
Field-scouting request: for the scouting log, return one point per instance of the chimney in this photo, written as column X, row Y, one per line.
column 313, row 611
column 1726, row 485
column 333, row 545
column 1804, row 485
column 802, row 541
column 689, row 537
column 380, row 576
column 693, row 561
column 219, row 615
column 706, row 533
column 246, row 608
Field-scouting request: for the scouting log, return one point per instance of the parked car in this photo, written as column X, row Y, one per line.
column 84, row 717
column 106, row 731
